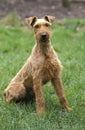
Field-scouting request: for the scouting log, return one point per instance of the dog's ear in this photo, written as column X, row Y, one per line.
column 49, row 18
column 31, row 20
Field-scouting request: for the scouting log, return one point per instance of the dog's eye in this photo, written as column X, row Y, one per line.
column 4, row 94
column 37, row 26
column 47, row 25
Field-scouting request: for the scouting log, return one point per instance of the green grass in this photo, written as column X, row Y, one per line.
column 15, row 47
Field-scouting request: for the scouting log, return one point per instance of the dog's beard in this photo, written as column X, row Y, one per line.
column 44, row 40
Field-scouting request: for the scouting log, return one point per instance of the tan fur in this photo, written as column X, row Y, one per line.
column 14, row 91
column 42, row 66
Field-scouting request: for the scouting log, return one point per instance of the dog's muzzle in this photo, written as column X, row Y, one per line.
column 44, row 37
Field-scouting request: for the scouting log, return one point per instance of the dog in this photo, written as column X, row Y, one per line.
column 42, row 66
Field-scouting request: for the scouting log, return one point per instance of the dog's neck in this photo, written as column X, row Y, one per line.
column 44, row 48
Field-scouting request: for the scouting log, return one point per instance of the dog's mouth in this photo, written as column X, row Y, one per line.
column 44, row 40
column 43, row 37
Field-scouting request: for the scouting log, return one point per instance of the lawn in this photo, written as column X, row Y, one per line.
column 68, row 40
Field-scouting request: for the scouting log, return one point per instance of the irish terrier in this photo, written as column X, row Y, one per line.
column 42, row 66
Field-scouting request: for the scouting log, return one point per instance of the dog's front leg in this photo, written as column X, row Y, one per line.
column 57, row 82
column 37, row 85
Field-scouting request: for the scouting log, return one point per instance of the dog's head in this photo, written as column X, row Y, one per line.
column 41, row 27
column 14, row 92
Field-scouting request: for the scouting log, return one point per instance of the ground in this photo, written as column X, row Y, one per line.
column 26, row 8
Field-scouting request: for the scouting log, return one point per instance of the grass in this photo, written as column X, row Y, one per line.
column 16, row 43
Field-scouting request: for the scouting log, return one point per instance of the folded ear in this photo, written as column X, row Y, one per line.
column 49, row 18
column 31, row 20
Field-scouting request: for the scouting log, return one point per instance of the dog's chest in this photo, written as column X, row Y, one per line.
column 49, row 67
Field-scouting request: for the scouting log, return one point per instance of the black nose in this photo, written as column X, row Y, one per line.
column 43, row 35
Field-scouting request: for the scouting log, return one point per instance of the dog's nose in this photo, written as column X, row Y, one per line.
column 43, row 35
